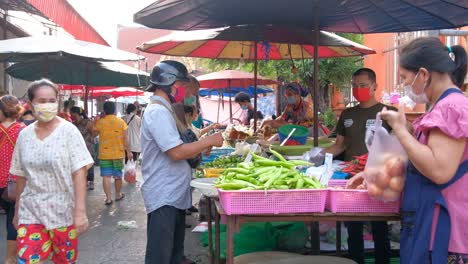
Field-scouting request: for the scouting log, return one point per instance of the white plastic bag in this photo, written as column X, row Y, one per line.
column 130, row 172
column 386, row 165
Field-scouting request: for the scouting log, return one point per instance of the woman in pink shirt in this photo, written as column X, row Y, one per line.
column 434, row 207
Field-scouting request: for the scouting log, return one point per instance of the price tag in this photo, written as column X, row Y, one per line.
column 253, row 148
column 328, row 173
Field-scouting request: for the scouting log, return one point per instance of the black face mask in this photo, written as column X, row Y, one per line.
column 28, row 122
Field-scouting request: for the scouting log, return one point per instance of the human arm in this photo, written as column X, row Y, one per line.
column 337, row 148
column 439, row 159
column 208, row 128
column 20, row 184
column 80, row 218
column 190, row 150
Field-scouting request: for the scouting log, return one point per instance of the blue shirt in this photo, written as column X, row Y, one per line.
column 166, row 181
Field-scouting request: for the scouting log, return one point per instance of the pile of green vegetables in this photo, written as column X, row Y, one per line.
column 266, row 174
column 224, row 162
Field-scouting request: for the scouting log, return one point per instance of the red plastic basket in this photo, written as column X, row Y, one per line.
column 273, row 201
column 356, row 201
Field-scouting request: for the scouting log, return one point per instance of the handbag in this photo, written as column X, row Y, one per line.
column 186, row 135
column 10, row 191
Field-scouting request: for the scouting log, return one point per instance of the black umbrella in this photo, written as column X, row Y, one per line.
column 354, row 16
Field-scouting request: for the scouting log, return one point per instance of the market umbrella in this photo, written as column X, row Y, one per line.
column 119, row 92
column 358, row 16
column 254, row 42
column 362, row 16
column 76, row 72
column 231, row 78
column 235, row 90
column 237, row 42
column 27, row 48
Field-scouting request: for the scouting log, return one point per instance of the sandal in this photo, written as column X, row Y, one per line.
column 90, row 185
column 108, row 202
column 122, row 195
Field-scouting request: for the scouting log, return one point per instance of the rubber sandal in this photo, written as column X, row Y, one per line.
column 122, row 195
column 108, row 202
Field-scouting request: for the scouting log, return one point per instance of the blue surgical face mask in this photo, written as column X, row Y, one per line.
column 190, row 100
column 244, row 107
column 28, row 122
column 291, row 100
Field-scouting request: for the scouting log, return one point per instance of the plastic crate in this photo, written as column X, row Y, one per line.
column 273, row 201
column 356, row 201
column 216, row 153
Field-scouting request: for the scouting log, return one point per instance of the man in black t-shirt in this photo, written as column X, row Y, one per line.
column 350, row 141
column 243, row 100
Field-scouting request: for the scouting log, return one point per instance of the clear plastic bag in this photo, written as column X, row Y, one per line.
column 385, row 169
column 130, row 172
column 315, row 156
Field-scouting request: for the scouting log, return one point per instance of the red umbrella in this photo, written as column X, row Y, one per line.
column 117, row 92
column 231, row 78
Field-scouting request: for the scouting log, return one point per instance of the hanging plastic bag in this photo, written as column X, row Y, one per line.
column 386, row 165
column 130, row 172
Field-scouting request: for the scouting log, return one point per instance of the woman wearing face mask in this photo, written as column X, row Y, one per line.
column 28, row 117
column 51, row 161
column 10, row 111
column 297, row 110
column 133, row 132
column 243, row 100
column 434, row 214
column 85, row 126
column 191, row 114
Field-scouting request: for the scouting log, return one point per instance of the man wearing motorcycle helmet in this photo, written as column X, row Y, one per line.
column 166, row 173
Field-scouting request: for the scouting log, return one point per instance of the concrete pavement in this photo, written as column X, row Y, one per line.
column 105, row 243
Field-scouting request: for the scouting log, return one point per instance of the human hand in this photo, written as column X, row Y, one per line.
column 215, row 126
column 15, row 221
column 397, row 120
column 356, row 182
column 129, row 155
column 81, row 223
column 216, row 140
column 207, row 152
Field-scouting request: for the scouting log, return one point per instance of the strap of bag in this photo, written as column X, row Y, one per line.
column 181, row 127
column 131, row 119
column 8, row 136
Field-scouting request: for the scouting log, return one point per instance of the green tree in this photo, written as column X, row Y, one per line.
column 336, row 71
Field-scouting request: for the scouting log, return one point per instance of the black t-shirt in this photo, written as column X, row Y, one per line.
column 352, row 126
column 250, row 116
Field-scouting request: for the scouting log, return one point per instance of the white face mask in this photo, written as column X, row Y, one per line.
column 45, row 112
column 417, row 98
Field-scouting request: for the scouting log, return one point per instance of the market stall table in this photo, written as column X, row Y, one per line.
column 234, row 223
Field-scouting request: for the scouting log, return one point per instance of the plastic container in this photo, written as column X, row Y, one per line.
column 206, row 186
column 216, row 153
column 273, row 201
column 213, row 172
column 356, row 201
column 299, row 137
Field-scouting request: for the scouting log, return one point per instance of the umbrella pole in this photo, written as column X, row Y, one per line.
column 255, row 85
column 219, row 105
column 230, row 102
column 86, row 89
column 316, row 69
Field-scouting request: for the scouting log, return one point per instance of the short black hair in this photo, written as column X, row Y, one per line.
column 27, row 112
column 109, row 108
column 34, row 86
column 242, row 98
column 130, row 108
column 369, row 72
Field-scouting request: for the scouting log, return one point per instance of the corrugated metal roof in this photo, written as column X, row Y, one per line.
column 19, row 5
column 64, row 15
